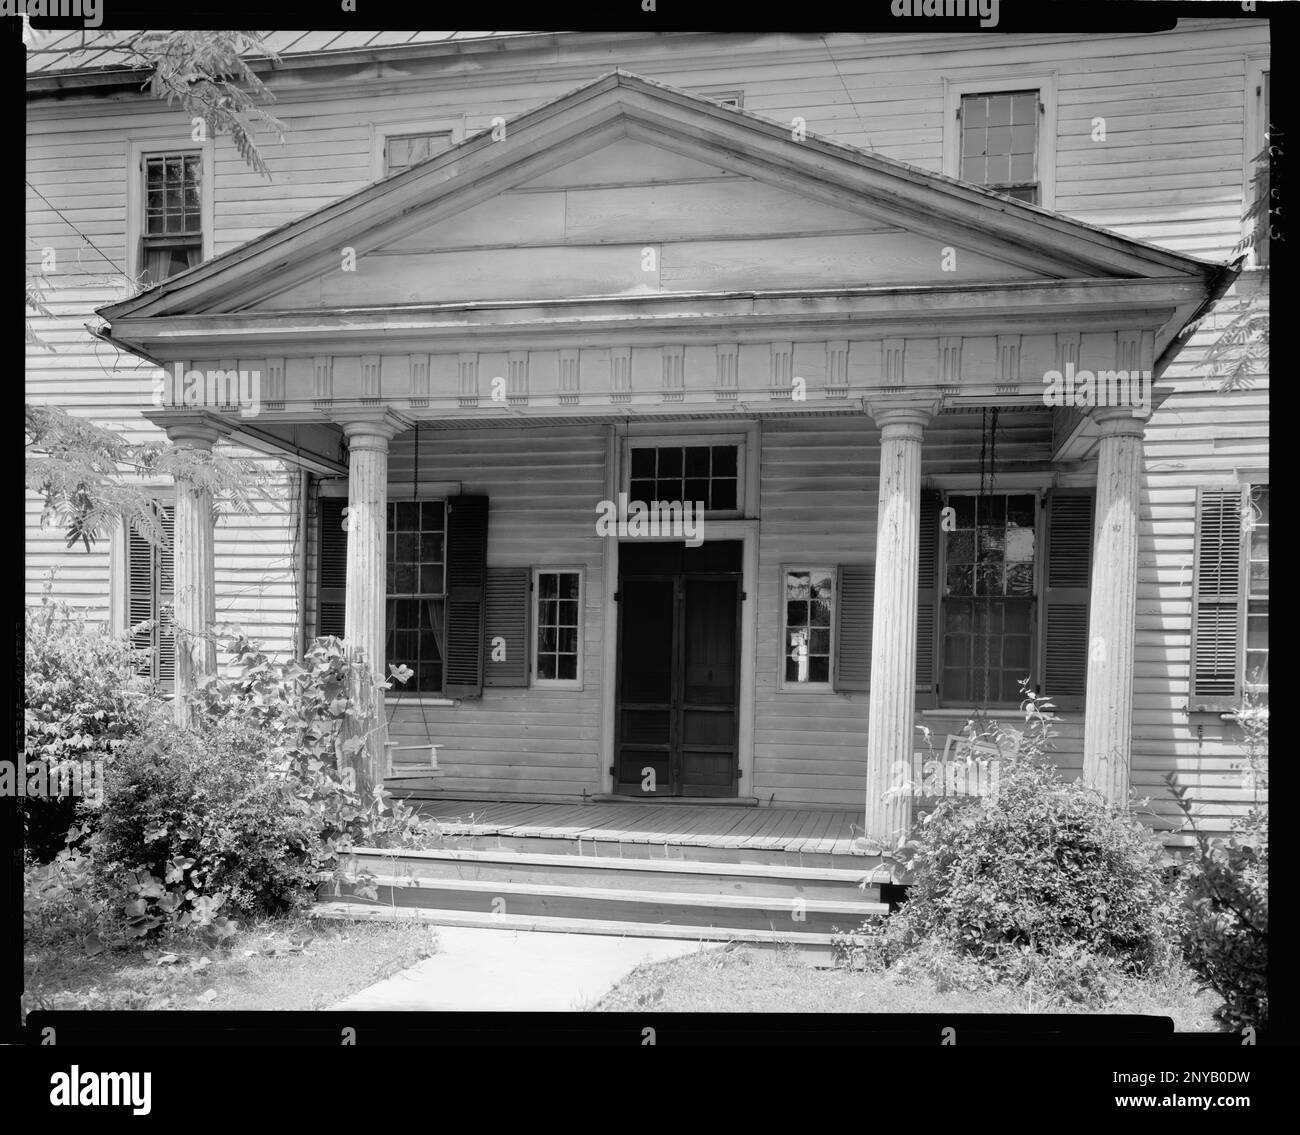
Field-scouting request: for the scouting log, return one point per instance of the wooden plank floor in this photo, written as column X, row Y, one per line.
column 688, row 825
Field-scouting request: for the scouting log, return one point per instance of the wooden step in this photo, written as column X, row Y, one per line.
column 818, row 945
column 486, row 840
column 591, row 871
column 625, row 905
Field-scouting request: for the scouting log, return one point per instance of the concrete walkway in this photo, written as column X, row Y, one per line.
column 489, row 970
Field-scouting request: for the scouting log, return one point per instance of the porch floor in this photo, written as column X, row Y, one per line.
column 802, row 831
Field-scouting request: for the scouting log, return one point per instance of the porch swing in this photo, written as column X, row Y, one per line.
column 413, row 771
column 984, row 734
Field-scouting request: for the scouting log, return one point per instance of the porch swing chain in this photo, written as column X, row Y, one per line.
column 988, row 474
column 391, row 705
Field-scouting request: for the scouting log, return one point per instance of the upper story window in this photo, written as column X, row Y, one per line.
column 1258, row 110
column 1000, row 132
column 727, row 98
column 172, row 233
column 396, row 146
column 999, row 142
column 403, row 150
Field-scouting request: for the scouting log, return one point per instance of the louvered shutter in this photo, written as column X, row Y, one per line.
column 150, row 592
column 332, row 561
column 927, row 600
column 467, row 524
column 506, row 619
column 166, row 652
column 1217, row 607
column 854, row 594
column 1063, row 649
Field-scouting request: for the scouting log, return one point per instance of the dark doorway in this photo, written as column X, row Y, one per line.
column 678, row 669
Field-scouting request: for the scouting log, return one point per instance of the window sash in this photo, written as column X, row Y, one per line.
column 802, row 661
column 996, row 161
column 981, row 604
column 416, row 616
column 557, row 613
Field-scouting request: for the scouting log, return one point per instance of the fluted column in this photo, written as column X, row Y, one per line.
column 1112, row 608
column 364, row 618
column 194, row 602
column 893, row 616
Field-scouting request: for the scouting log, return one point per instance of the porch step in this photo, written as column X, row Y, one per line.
column 692, row 898
column 817, row 946
column 665, row 875
column 737, row 912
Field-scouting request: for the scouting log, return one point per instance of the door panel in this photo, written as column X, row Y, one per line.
column 679, row 661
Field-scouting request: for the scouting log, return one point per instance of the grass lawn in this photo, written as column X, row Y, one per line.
column 742, row 980
column 286, row 963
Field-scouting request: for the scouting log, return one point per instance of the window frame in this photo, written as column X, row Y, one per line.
column 120, row 612
column 732, row 96
column 687, row 440
column 380, row 132
column 1255, row 129
column 535, row 681
column 784, row 685
column 1247, row 686
column 957, row 87
column 942, row 701
column 404, row 690
column 136, row 151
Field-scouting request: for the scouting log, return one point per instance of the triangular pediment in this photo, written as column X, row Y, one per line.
column 626, row 188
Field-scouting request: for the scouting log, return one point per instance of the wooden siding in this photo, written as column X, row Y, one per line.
column 1171, row 171
column 543, row 487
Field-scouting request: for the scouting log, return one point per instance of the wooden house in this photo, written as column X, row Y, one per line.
column 836, row 292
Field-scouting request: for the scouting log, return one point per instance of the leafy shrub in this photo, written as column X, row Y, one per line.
column 1044, row 865
column 1042, row 884
column 247, row 811
column 83, row 701
column 1225, row 889
column 313, row 717
column 196, row 824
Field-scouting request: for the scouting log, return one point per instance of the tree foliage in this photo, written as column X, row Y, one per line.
column 81, row 471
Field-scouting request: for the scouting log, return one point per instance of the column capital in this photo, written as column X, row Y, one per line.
column 194, row 429
column 367, row 427
column 1119, row 421
column 912, row 412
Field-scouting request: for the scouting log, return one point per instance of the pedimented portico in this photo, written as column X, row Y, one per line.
column 635, row 270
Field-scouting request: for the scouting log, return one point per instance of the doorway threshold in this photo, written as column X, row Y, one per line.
column 734, row 801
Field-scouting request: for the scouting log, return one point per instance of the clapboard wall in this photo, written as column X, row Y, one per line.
column 1172, row 170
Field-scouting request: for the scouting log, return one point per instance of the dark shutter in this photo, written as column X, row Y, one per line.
column 1068, row 555
column 150, row 593
column 467, row 526
column 927, row 599
column 332, row 560
column 853, row 599
column 1217, row 608
column 506, row 618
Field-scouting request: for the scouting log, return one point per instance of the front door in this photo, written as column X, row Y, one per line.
column 679, row 669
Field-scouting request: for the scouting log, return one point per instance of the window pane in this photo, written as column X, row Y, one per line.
column 569, row 585
column 724, row 460
column 723, row 495
column 643, row 463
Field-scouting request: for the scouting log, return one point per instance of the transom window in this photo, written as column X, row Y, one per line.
column 1257, row 591
column 559, row 622
column 999, row 142
column 173, row 224
column 707, row 473
column 404, row 150
column 806, row 636
column 988, row 597
column 417, row 592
